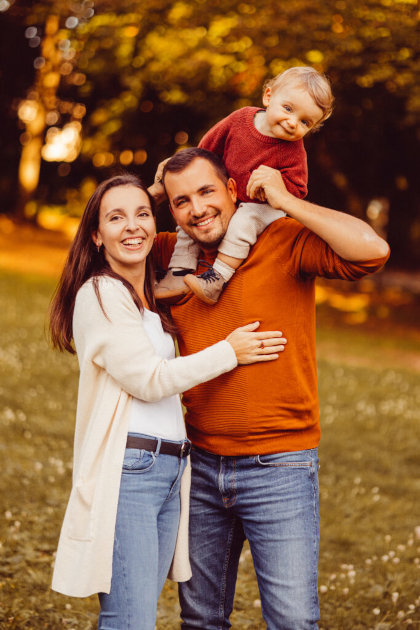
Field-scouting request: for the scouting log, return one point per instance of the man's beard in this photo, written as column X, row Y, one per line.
column 209, row 246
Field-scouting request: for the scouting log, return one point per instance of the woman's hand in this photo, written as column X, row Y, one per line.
column 251, row 347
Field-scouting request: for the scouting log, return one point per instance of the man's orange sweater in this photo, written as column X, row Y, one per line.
column 265, row 407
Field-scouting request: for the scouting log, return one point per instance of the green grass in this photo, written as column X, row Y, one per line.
column 369, row 478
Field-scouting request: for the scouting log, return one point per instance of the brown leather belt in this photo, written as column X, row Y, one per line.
column 166, row 448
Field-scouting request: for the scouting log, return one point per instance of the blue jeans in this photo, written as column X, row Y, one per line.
column 272, row 500
column 145, row 536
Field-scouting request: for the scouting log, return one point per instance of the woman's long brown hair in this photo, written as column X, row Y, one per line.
column 84, row 262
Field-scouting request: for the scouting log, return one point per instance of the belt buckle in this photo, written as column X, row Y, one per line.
column 185, row 449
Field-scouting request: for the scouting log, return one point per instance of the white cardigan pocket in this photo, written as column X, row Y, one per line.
column 80, row 511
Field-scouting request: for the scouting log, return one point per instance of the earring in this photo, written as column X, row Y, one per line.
column 98, row 247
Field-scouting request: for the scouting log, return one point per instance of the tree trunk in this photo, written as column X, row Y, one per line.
column 32, row 112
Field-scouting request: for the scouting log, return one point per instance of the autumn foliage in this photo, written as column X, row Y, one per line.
column 125, row 83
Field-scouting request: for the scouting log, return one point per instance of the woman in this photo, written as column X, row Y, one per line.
column 122, row 519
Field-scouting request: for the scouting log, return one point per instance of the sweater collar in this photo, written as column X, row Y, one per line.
column 249, row 121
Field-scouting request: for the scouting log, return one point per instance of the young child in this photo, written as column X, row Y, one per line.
column 296, row 102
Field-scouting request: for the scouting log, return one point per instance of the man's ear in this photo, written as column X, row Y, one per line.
column 266, row 97
column 232, row 189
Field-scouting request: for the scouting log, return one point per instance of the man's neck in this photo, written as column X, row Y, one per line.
column 208, row 254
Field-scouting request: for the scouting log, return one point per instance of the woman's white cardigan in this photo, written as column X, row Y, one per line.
column 117, row 361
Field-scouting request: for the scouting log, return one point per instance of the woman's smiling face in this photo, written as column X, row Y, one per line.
column 126, row 229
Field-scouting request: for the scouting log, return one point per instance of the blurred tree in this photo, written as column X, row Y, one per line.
column 153, row 75
column 42, row 108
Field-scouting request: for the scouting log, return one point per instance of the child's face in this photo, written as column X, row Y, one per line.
column 290, row 112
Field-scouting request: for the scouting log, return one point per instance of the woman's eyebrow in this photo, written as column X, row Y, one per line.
column 123, row 211
column 113, row 210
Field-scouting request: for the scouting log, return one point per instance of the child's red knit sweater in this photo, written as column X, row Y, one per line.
column 243, row 148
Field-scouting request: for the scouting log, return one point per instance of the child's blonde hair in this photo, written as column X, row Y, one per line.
column 311, row 80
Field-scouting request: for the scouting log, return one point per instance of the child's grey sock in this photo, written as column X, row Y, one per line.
column 226, row 271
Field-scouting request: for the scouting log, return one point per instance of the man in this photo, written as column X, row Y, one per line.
column 255, row 432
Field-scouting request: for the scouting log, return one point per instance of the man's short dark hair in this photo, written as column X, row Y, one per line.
column 183, row 158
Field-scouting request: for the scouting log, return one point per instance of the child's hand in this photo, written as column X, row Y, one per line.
column 159, row 171
column 266, row 184
column 258, row 193
column 156, row 189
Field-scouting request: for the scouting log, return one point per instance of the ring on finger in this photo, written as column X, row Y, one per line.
column 262, row 346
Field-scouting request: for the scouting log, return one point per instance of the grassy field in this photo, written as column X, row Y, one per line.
column 369, row 476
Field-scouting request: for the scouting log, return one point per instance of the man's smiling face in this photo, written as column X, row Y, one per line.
column 201, row 202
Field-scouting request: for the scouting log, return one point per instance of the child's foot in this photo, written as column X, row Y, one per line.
column 207, row 286
column 172, row 285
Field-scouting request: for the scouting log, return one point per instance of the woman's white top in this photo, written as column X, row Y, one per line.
column 164, row 417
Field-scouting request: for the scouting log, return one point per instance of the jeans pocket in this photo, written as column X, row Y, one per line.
column 296, row 459
column 138, row 460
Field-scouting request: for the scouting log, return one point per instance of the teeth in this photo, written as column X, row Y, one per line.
column 205, row 222
column 132, row 241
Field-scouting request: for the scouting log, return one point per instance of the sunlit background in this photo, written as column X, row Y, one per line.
column 89, row 87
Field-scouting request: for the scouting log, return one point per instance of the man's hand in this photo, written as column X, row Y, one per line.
column 266, row 184
column 156, row 189
column 350, row 238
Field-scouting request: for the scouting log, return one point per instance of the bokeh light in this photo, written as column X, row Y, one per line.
column 62, row 145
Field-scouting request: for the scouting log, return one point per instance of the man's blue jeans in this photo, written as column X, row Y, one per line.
column 145, row 536
column 272, row 500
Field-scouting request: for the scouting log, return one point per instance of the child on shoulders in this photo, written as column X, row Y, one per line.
column 296, row 102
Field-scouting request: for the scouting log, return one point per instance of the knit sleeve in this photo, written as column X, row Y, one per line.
column 114, row 339
column 294, row 168
column 311, row 256
column 214, row 140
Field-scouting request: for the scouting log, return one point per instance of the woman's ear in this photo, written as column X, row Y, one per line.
column 96, row 239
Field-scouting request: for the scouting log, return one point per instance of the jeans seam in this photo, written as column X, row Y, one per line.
column 126, row 590
column 222, row 602
column 286, row 464
column 316, row 524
